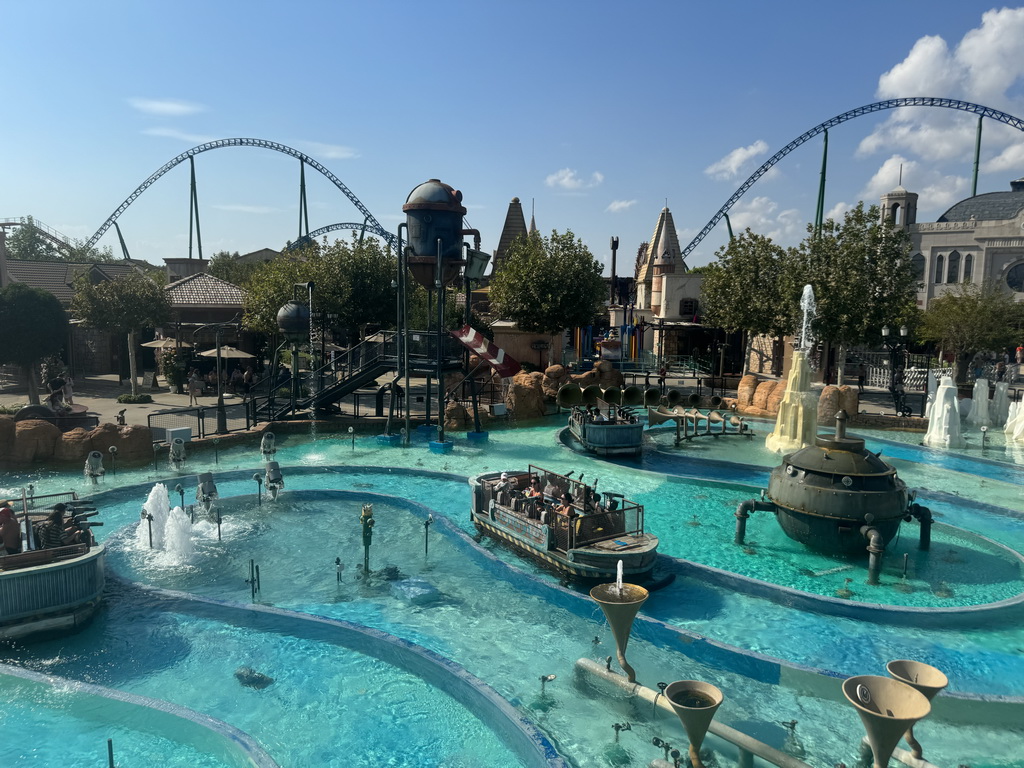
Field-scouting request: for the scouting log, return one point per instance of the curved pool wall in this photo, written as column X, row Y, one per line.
column 517, row 732
column 177, row 724
column 972, row 708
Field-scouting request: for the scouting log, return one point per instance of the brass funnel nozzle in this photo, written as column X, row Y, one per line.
column 695, row 704
column 921, row 677
column 887, row 708
column 620, row 608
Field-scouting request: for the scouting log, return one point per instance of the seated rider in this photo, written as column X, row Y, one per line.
column 52, row 532
column 10, row 531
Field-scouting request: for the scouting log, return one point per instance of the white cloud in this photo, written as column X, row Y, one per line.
column 166, row 107
column 985, row 67
column 617, row 206
column 730, row 166
column 330, row 151
column 257, row 209
column 762, row 215
column 936, row 190
column 172, row 133
column 566, row 178
column 838, row 211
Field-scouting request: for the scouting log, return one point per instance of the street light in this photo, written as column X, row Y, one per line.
column 222, row 417
column 897, row 364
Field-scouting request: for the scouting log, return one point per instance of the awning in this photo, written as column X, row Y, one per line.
column 503, row 365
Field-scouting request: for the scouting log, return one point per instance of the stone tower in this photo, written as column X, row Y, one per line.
column 900, row 207
column 515, row 226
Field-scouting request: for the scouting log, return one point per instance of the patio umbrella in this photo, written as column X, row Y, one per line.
column 226, row 351
column 165, row 344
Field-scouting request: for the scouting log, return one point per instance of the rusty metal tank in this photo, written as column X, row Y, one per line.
column 434, row 215
column 825, row 493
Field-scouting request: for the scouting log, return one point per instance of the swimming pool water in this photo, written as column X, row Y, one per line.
column 516, row 650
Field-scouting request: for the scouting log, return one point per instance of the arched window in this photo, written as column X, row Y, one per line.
column 894, row 215
column 953, row 272
column 968, row 267
column 939, row 268
column 917, row 267
column 1015, row 278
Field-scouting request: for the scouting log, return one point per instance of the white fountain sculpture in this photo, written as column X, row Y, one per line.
column 1014, row 429
column 999, row 408
column 933, row 386
column 979, row 413
column 944, row 423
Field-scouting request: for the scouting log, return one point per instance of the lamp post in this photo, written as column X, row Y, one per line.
column 897, row 364
column 222, row 417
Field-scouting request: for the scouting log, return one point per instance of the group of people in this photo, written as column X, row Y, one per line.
column 538, row 507
column 52, row 532
column 593, row 414
column 239, row 382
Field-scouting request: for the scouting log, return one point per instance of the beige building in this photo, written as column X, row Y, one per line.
column 979, row 239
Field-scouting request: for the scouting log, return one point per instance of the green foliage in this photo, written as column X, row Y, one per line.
column 126, row 304
column 861, row 274
column 227, row 267
column 135, row 399
column 971, row 318
column 10, row 410
column 27, row 243
column 33, row 325
column 79, row 251
column 352, row 280
column 744, row 290
column 172, row 365
column 547, row 284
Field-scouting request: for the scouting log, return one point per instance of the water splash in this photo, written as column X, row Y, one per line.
column 171, row 528
column 618, row 578
column 810, row 310
column 157, row 506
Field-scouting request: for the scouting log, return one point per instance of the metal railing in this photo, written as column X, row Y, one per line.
column 238, row 419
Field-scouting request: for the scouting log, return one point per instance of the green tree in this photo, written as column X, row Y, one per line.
column 35, row 326
column 861, row 274
column 124, row 305
column 79, row 251
column 745, row 290
column 352, row 280
column 227, row 266
column 28, row 243
column 547, row 284
column 971, row 318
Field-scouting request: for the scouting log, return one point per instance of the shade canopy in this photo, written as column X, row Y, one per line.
column 165, row 344
column 226, row 351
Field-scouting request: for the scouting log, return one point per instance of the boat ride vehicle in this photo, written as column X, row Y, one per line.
column 564, row 523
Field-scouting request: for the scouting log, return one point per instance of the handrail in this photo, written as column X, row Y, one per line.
column 744, row 743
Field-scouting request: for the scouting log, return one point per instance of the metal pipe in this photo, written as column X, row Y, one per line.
column 439, row 284
column 924, row 517
column 876, row 548
column 737, row 738
column 743, row 510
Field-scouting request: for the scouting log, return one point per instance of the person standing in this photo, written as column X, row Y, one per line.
column 69, row 394
column 862, row 375
column 195, row 387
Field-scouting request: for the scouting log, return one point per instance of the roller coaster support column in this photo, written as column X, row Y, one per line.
column 819, row 216
column 977, row 155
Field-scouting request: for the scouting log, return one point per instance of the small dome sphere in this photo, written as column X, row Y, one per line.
column 293, row 321
column 433, row 195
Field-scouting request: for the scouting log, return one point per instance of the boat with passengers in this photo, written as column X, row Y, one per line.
column 611, row 430
column 54, row 589
column 564, row 522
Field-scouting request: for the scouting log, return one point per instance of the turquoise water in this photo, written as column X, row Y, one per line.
column 504, row 633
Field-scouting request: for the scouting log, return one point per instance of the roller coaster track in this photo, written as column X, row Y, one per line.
column 371, row 223
column 354, row 225
column 878, row 106
column 55, row 238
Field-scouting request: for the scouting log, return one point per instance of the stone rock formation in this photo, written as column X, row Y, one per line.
column 34, row 440
column 457, row 418
column 828, row 405
column 745, row 391
column 525, row 396
column 762, row 393
column 554, row 377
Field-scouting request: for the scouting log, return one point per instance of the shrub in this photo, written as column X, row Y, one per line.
column 139, row 398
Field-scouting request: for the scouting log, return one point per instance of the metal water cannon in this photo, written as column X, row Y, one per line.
column 94, row 465
column 434, row 214
column 273, row 479
column 366, row 520
column 206, row 490
column 177, row 452
column 268, row 445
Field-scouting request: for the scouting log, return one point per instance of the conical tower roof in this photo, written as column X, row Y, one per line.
column 664, row 248
column 515, row 226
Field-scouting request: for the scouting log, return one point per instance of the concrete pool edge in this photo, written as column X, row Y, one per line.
column 140, row 713
column 966, row 707
column 513, row 729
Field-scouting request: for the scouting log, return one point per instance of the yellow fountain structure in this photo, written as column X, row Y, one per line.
column 797, row 422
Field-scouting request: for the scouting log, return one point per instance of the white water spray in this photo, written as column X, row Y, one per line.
column 618, row 578
column 810, row 310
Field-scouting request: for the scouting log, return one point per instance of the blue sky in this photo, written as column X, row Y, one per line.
column 595, row 112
